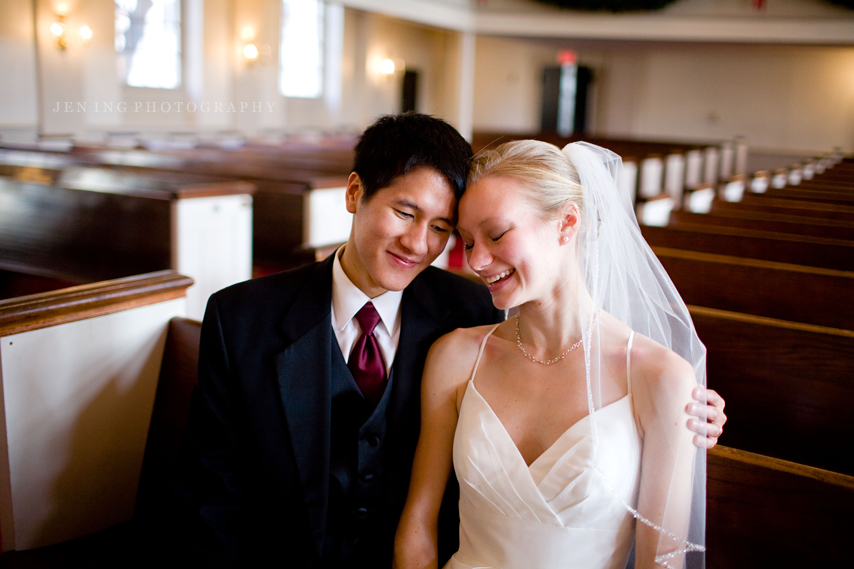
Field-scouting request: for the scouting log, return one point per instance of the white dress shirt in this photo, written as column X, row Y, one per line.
column 347, row 300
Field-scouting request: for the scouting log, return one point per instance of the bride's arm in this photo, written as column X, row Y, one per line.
column 445, row 374
column 661, row 388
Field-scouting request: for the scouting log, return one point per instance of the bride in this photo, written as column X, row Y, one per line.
column 566, row 422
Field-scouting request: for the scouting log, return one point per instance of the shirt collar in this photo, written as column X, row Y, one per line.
column 348, row 299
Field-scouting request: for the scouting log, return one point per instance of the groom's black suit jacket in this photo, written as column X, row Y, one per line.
column 258, row 459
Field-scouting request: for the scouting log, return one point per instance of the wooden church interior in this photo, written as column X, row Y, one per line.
column 125, row 202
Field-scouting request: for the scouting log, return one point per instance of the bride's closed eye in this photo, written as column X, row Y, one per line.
column 468, row 246
column 499, row 236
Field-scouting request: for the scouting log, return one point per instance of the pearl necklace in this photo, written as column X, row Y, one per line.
column 532, row 358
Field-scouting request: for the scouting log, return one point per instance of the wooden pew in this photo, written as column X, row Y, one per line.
column 284, row 166
column 83, row 236
column 845, row 198
column 784, row 207
column 242, row 163
column 283, row 196
column 94, row 224
column 14, row 284
column 284, row 177
column 787, row 385
column 842, row 172
column 774, row 223
column 79, row 375
column 291, row 220
column 766, row 512
column 36, row 158
column 827, row 184
column 797, row 293
column 753, row 244
column 139, row 543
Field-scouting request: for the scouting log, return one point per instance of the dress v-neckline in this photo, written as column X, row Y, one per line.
column 512, row 442
column 571, row 427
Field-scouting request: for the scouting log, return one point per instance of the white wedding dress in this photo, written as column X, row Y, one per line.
column 556, row 513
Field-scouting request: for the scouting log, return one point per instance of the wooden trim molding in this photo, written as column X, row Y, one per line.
column 765, row 321
column 760, row 234
column 213, row 190
column 747, row 262
column 835, row 478
column 26, row 313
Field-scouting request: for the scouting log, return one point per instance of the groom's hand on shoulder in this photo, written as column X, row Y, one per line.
column 707, row 417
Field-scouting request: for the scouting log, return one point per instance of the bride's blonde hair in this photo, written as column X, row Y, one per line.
column 547, row 175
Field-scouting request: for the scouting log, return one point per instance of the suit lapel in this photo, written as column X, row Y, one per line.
column 304, row 369
column 422, row 317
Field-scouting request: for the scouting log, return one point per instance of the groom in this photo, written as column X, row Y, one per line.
column 304, row 424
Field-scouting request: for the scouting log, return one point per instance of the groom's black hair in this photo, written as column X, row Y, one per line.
column 395, row 144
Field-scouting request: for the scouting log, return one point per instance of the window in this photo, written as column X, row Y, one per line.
column 301, row 49
column 148, row 41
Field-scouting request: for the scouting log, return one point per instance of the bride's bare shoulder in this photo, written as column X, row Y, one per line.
column 460, row 345
column 661, row 371
column 452, row 357
column 654, row 367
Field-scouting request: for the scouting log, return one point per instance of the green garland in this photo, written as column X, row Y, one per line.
column 614, row 5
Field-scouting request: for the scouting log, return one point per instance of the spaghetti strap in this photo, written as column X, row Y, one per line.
column 628, row 361
column 480, row 351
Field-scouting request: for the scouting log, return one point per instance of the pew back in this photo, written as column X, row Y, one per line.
column 796, row 293
column 779, row 247
column 775, row 223
column 788, row 386
column 95, row 224
column 765, row 512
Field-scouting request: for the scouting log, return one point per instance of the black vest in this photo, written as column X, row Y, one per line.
column 355, row 468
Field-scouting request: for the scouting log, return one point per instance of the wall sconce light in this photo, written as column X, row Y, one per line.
column 250, row 52
column 58, row 30
column 387, row 67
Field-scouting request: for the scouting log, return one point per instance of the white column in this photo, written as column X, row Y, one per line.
column 465, row 112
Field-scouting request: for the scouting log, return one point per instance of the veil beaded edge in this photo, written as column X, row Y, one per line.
column 625, row 279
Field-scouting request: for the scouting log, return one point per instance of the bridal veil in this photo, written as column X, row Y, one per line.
column 625, row 279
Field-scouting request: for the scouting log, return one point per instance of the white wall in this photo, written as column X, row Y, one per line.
column 782, row 98
column 508, row 84
column 796, row 100
column 18, row 109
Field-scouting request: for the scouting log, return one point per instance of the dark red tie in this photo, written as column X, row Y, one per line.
column 366, row 360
